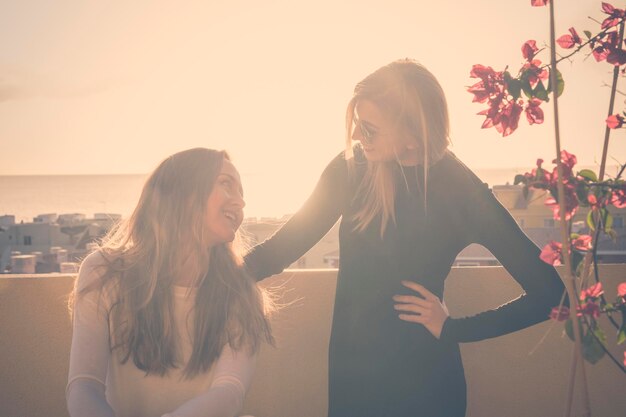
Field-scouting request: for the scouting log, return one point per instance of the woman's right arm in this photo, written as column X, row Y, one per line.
column 89, row 355
column 305, row 228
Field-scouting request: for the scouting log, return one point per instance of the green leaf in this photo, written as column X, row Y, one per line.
column 560, row 84
column 582, row 190
column 526, row 88
column 515, row 88
column 577, row 259
column 592, row 350
column 540, row 92
column 608, row 226
column 621, row 334
column 569, row 329
column 607, row 219
column 597, row 330
column 590, row 222
column 589, row 175
column 587, row 34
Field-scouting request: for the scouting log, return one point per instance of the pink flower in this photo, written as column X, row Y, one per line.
column 568, row 160
column 490, row 86
column 534, row 114
column 551, row 253
column 538, row 3
column 529, row 49
column 582, row 243
column 621, row 290
column 569, row 41
column 571, row 204
column 615, row 121
column 614, row 15
column 590, row 309
column 509, row 118
column 559, row 313
column 534, row 72
column 618, row 197
column 481, row 71
column 592, row 292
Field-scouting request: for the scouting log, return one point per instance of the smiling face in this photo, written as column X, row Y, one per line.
column 381, row 139
column 224, row 209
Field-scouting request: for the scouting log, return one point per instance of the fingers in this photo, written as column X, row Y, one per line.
column 413, row 318
column 420, row 289
column 411, row 299
column 412, row 308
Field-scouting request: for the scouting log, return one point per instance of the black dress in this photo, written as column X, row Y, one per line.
column 379, row 365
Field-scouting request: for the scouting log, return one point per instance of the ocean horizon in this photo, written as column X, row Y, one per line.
column 26, row 196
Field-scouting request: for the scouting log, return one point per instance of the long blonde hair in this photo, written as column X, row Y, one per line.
column 143, row 257
column 411, row 98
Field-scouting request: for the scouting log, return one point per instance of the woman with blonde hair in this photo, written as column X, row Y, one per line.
column 408, row 206
column 165, row 320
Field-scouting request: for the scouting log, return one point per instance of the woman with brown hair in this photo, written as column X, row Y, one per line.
column 408, row 206
column 165, row 320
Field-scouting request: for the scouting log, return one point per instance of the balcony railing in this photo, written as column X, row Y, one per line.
column 522, row 374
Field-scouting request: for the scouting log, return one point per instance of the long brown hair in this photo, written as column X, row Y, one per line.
column 143, row 256
column 410, row 97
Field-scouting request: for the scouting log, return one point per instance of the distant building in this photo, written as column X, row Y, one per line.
column 57, row 243
column 51, row 239
column 257, row 230
column 6, row 221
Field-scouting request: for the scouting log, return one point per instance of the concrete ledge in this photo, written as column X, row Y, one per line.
column 524, row 374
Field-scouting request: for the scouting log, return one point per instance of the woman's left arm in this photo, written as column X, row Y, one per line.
column 232, row 376
column 491, row 225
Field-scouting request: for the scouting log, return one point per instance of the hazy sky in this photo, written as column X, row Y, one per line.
column 116, row 86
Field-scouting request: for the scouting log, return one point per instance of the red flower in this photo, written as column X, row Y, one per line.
column 617, row 56
column 590, row 309
column 609, row 47
column 481, row 71
column 592, row 292
column 593, row 202
column 582, row 242
column 534, row 114
column 559, row 313
column 538, row 3
column 571, row 205
column 569, row 41
column 614, row 15
column 551, row 253
column 621, row 290
column 509, row 118
column 534, row 72
column 529, row 49
column 615, row 121
column 491, row 83
column 568, row 160
column 618, row 197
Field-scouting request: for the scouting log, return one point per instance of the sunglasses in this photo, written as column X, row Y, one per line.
column 367, row 133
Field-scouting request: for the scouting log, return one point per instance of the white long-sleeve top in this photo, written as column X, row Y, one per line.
column 100, row 385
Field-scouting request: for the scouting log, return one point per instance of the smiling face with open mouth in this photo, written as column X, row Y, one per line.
column 224, row 210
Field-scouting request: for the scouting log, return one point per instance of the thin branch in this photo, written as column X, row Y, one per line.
column 582, row 45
